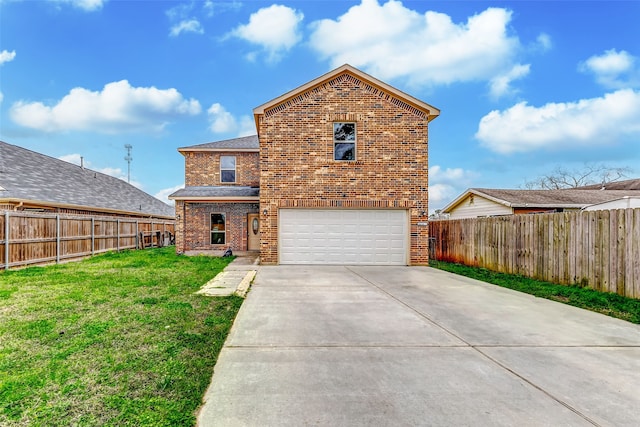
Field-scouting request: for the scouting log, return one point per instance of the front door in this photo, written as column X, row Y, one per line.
column 253, row 230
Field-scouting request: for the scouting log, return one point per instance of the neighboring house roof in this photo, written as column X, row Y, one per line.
column 245, row 143
column 224, row 193
column 625, row 202
column 628, row 184
column 39, row 179
column 567, row 198
column 378, row 87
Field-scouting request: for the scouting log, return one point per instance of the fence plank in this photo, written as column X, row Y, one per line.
column 598, row 249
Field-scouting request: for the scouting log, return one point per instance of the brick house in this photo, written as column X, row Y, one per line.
column 336, row 175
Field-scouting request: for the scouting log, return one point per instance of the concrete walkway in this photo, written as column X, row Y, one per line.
column 410, row 346
column 236, row 277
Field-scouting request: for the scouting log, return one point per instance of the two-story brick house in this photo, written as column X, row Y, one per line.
column 336, row 175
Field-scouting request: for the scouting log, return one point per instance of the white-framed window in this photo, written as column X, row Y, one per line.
column 227, row 168
column 218, row 229
column 344, row 141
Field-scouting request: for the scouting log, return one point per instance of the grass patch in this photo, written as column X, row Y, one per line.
column 117, row 339
column 613, row 305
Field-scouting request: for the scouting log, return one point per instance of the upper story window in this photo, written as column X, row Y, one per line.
column 344, row 141
column 227, row 168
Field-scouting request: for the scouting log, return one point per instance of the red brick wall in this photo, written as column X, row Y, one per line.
column 203, row 168
column 297, row 166
column 197, row 234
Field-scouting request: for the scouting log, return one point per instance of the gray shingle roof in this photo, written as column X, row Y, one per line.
column 559, row 198
column 213, row 192
column 242, row 143
column 27, row 175
column 628, row 184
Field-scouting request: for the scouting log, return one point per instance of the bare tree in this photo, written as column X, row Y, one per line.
column 590, row 174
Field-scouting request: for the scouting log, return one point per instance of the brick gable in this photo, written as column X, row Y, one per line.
column 296, row 157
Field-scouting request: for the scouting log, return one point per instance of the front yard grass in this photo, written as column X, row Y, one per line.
column 119, row 339
column 606, row 303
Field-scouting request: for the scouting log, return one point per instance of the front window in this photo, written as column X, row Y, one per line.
column 218, row 229
column 344, row 141
column 227, row 169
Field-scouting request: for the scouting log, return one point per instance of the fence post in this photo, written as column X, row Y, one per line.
column 57, row 238
column 118, row 235
column 93, row 236
column 6, row 240
column 137, row 237
column 151, row 233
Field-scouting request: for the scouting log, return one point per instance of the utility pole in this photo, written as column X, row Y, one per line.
column 128, row 159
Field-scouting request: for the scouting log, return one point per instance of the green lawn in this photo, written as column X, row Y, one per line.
column 606, row 303
column 116, row 340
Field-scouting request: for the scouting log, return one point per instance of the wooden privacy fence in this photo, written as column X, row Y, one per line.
column 597, row 249
column 31, row 238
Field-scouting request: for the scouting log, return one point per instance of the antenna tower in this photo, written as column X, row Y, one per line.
column 128, row 159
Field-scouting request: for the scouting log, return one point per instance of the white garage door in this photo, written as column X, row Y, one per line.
column 342, row 236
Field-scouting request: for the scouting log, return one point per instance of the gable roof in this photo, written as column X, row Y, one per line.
column 245, row 143
column 380, row 88
column 566, row 198
column 39, row 179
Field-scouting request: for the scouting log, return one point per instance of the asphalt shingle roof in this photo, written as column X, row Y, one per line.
column 27, row 175
column 567, row 197
column 213, row 191
column 628, row 184
column 242, row 143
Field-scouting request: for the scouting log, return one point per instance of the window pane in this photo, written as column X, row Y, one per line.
column 227, row 162
column 217, row 222
column 228, row 176
column 345, row 151
column 344, row 131
column 217, row 238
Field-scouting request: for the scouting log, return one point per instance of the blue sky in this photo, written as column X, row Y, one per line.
column 523, row 86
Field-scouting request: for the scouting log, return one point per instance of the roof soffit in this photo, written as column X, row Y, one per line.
column 371, row 84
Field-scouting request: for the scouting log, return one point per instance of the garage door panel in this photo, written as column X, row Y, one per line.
column 343, row 236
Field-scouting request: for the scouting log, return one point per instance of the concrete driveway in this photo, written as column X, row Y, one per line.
column 406, row 346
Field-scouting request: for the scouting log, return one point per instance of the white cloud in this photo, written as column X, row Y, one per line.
column 501, row 85
column 87, row 5
column 392, row 41
column 186, row 26
column 588, row 122
column 180, row 12
column 446, row 184
column 166, row 192
column 613, row 69
column 6, row 56
column 1, row 97
column 211, row 8
column 223, row 121
column 274, row 28
column 75, row 158
column 118, row 108
column 543, row 43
